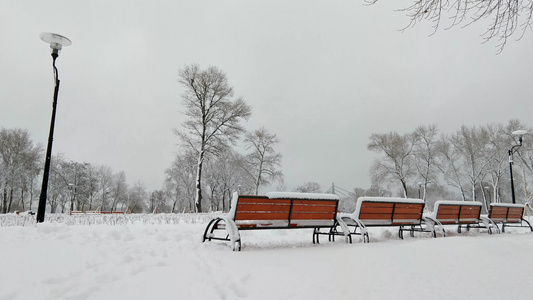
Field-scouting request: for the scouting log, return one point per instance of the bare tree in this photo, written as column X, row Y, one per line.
column 105, row 180
column 225, row 175
column 397, row 163
column 507, row 16
column 137, row 198
column 309, row 187
column 498, row 167
column 214, row 115
column 451, row 165
column 179, row 182
column 119, row 190
column 263, row 162
column 19, row 159
column 472, row 143
column 425, row 153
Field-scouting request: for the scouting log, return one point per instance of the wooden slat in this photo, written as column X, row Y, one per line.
column 263, row 200
column 313, row 216
column 498, row 213
column 468, row 212
column 376, row 210
column 408, row 210
column 377, row 204
column 261, row 216
column 515, row 213
column 375, row 216
column 315, row 202
column 398, row 217
column 448, row 212
column 449, row 209
column 313, row 208
column 250, row 207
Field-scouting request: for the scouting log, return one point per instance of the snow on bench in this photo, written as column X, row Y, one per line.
column 461, row 213
column 405, row 213
column 508, row 213
column 275, row 210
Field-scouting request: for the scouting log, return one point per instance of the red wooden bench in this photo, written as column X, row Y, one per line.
column 380, row 211
column 274, row 211
column 461, row 213
column 508, row 213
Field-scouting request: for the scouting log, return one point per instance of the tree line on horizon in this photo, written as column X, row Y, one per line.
column 72, row 186
column 217, row 156
column 470, row 164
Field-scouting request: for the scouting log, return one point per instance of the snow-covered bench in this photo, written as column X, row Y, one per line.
column 405, row 213
column 460, row 213
column 508, row 213
column 274, row 211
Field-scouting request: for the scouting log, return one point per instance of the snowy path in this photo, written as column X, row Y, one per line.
column 55, row 261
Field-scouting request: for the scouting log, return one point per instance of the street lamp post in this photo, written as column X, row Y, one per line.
column 519, row 134
column 419, row 186
column 488, row 191
column 56, row 42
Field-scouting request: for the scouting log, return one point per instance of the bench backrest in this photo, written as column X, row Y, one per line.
column 389, row 211
column 506, row 213
column 254, row 212
column 457, row 212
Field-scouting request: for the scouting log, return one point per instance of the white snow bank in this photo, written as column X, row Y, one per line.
column 168, row 261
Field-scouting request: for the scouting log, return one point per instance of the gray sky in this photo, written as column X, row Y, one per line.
column 322, row 75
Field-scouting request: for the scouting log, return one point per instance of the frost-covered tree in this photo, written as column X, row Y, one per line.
column 473, row 143
column 263, row 162
column 137, row 198
column 19, row 165
column 214, row 115
column 397, row 163
column 119, row 190
column 179, row 182
column 425, row 154
column 309, row 187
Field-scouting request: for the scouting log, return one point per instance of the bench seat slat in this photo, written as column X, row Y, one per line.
column 262, row 216
column 313, row 216
column 244, row 207
column 375, row 216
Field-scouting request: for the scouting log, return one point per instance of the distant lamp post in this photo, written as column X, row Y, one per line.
column 56, row 42
column 420, row 184
column 488, row 191
column 519, row 134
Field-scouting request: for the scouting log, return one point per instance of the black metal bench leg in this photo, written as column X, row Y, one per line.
column 315, row 236
column 528, row 224
column 210, row 228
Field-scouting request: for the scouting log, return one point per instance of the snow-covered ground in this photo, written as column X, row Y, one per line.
column 146, row 260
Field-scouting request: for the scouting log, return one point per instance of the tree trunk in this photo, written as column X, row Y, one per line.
column 4, row 201
column 10, row 200
column 404, row 186
column 198, row 201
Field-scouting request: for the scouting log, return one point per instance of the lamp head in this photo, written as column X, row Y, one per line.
column 519, row 133
column 56, row 42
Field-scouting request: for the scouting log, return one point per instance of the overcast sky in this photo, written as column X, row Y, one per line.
column 322, row 75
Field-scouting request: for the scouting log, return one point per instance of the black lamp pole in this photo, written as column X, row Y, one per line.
column 56, row 42
column 511, row 151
